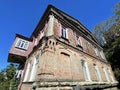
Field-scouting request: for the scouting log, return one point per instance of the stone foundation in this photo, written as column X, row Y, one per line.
column 68, row 86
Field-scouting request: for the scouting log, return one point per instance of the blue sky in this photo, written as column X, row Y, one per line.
column 22, row 16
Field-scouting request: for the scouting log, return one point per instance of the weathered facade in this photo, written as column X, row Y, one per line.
column 61, row 54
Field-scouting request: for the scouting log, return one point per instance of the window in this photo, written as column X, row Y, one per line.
column 19, row 74
column 78, row 40
column 27, row 71
column 36, row 42
column 64, row 32
column 111, row 76
column 106, row 74
column 102, row 55
column 96, row 51
column 85, row 70
column 41, row 34
column 97, row 72
column 34, row 68
column 23, row 44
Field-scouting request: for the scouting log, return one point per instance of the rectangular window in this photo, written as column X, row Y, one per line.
column 96, row 51
column 111, row 76
column 64, row 32
column 41, row 34
column 78, row 40
column 85, row 70
column 97, row 73
column 102, row 55
column 23, row 44
column 106, row 74
column 33, row 69
column 27, row 72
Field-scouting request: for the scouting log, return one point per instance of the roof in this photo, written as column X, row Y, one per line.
column 23, row 37
column 74, row 22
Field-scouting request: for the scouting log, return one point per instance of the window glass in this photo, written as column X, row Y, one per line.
column 64, row 32
column 23, row 44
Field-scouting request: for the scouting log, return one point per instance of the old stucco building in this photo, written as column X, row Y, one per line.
column 61, row 54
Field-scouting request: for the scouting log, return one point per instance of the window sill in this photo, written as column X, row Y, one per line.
column 21, row 48
column 80, row 47
column 64, row 38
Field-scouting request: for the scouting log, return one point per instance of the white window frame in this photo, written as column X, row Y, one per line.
column 85, row 70
column 111, row 76
column 23, row 44
column 36, row 42
column 97, row 72
column 78, row 40
column 106, row 74
column 96, row 51
column 20, row 73
column 34, row 68
column 102, row 55
column 64, row 32
column 27, row 71
column 41, row 34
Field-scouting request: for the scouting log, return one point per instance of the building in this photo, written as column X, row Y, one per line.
column 61, row 54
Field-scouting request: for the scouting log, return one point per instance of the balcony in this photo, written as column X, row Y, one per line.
column 20, row 49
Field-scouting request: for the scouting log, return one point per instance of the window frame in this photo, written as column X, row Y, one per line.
column 102, row 55
column 85, row 70
column 22, row 44
column 96, row 51
column 106, row 74
column 98, row 75
column 111, row 75
column 64, row 32
column 78, row 40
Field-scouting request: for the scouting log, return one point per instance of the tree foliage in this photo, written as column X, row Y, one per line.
column 112, row 52
column 110, row 30
column 7, row 78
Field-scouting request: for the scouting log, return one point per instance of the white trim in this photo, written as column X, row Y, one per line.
column 97, row 73
column 88, row 73
column 111, row 76
column 21, row 43
column 80, row 40
column 35, row 43
column 85, row 70
column 27, row 72
column 50, row 26
column 96, row 51
column 102, row 55
column 67, row 33
column 106, row 74
column 34, row 68
column 41, row 34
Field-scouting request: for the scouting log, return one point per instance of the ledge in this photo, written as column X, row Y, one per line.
column 85, row 84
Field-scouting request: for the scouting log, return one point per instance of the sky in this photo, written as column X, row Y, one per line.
column 22, row 16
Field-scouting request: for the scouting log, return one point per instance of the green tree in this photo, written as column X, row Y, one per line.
column 110, row 30
column 112, row 52
column 7, row 78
